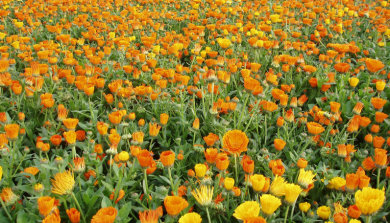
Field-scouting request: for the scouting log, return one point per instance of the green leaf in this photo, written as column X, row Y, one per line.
column 108, row 186
column 125, row 211
column 106, row 202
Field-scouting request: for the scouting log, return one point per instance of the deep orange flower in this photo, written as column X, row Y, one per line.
column 73, row 215
column 167, row 158
column 342, row 67
column 378, row 103
column 102, row 128
column 105, row 215
column 302, row 163
column 56, row 140
column 12, row 131
column 374, row 65
column 138, row 137
column 314, row 128
column 47, row 100
column 380, row 158
column 352, row 182
column 368, row 163
column 145, row 159
column 70, row 123
column 210, row 139
column 222, row 161
column 150, row 216
column 164, row 118
column 279, row 144
column 211, row 154
column 235, row 142
column 174, row 205
column 248, row 164
column 46, row 205
column 354, row 212
column 154, row 129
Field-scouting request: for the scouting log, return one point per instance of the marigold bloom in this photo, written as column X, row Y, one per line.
column 8, row 196
column 150, row 216
column 374, row 65
column 79, row 164
column 277, row 186
column 63, row 183
column 304, row 206
column 46, row 205
column 31, row 170
column 200, row 170
column 138, row 137
column 336, row 183
column 211, row 154
column 323, row 212
column 314, row 128
column 192, row 217
column 269, row 204
column 228, row 183
column 353, row 81
column 369, row 200
column 204, row 195
column 305, row 178
column 378, row 103
column 235, row 141
column 53, row 217
column 248, row 164
column 12, row 131
column 302, row 163
column 292, row 192
column 380, row 117
column 352, row 182
column 174, row 205
column 70, row 137
column 145, row 158
column 70, row 123
column 258, row 182
column 102, row 128
column 105, row 215
column 354, row 212
column 73, row 215
column 210, row 139
column 164, row 118
column 154, row 129
column 222, row 161
column 380, row 158
column 167, row 158
column 195, row 124
column 279, row 144
column 246, row 210
column 123, row 156
column 56, row 140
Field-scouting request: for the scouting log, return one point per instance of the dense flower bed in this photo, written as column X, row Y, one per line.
column 191, row 111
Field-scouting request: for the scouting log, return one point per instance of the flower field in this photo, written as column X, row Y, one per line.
column 194, row 111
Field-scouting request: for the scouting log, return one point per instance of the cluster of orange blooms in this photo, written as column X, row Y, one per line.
column 230, row 105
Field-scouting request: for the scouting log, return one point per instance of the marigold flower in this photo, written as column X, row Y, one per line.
column 246, row 210
column 369, row 200
column 46, row 205
column 73, row 215
column 269, row 204
column 150, row 216
column 138, row 137
column 314, row 128
column 292, row 192
column 70, row 137
column 105, row 215
column 235, row 141
column 353, row 81
column 63, row 183
column 164, row 118
column 378, row 103
column 211, row 155
column 8, row 196
column 302, row 163
column 304, row 207
column 12, row 131
column 222, row 161
column 336, row 183
column 323, row 212
column 374, row 65
column 53, row 217
column 279, row 144
column 167, row 158
column 258, row 182
column 154, row 129
column 354, row 212
column 228, row 183
column 174, row 205
column 277, row 186
column 204, row 195
column 192, row 217
column 210, row 139
column 380, row 158
column 70, row 123
column 200, row 170
column 305, row 178
column 145, row 158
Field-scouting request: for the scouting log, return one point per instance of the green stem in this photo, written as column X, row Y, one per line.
column 246, row 186
column 378, row 179
column 292, row 211
column 242, row 112
column 368, row 219
column 286, row 213
column 235, row 167
column 171, row 180
column 5, row 209
column 208, row 215
column 78, row 206
column 146, row 184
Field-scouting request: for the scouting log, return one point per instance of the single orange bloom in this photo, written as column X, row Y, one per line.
column 31, row 170
column 167, row 158
column 380, row 117
column 368, row 164
column 380, row 158
column 352, row 182
column 102, row 128
column 211, row 154
column 46, row 205
column 47, row 100
column 314, row 128
column 53, row 217
column 235, row 142
column 164, row 118
column 222, row 161
column 279, row 144
column 138, row 137
column 105, row 215
column 378, row 141
column 248, row 164
column 73, row 215
column 56, row 140
column 154, row 129
column 115, row 117
column 354, row 212
column 210, row 139
column 150, row 216
column 12, row 131
column 120, row 195
column 174, row 205
column 374, row 65
column 70, row 123
column 378, row 103
column 195, row 124
column 342, row 67
column 145, row 158
column 302, row 163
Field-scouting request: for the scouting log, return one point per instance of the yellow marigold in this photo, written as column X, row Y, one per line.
column 336, row 183
column 292, row 192
column 269, row 204
column 323, row 212
column 369, row 200
column 277, row 186
column 192, row 217
column 305, row 178
column 304, row 206
column 63, row 183
column 204, row 196
column 246, row 210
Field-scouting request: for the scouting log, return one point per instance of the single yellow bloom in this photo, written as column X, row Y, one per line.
column 323, row 212
column 353, row 81
column 258, row 182
column 246, row 210
column 192, row 217
column 304, row 206
column 63, row 183
column 200, row 170
column 269, row 204
column 228, row 183
column 292, row 192
column 305, row 178
column 369, row 200
column 204, row 196
column 277, row 186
